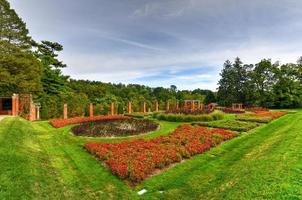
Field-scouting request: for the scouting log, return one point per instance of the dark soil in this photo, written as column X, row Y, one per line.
column 115, row 128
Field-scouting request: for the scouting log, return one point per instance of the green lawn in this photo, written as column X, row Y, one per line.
column 38, row 161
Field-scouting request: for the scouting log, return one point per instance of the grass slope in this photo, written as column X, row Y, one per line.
column 40, row 162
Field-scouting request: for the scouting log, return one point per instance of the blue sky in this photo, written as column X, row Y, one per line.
column 164, row 42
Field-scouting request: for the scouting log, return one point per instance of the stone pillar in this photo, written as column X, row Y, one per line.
column 65, row 115
column 149, row 109
column 198, row 106
column 112, row 108
column 91, row 110
column 156, row 106
column 168, row 106
column 201, row 106
column 144, row 107
column 32, row 112
column 129, row 107
column 14, row 109
column 177, row 105
column 38, row 112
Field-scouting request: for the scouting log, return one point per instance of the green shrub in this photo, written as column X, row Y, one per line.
column 188, row 118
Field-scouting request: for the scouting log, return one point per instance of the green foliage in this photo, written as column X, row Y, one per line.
column 233, row 125
column 20, row 71
column 264, row 84
column 12, row 29
column 189, row 118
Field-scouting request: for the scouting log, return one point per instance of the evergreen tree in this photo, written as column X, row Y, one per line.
column 226, row 91
column 12, row 29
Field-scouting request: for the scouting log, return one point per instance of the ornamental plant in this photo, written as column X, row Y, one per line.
column 260, row 116
column 189, row 118
column 58, row 123
column 133, row 161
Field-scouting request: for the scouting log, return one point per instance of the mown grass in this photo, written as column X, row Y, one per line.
column 38, row 161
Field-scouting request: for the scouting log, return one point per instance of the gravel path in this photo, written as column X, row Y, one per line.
column 2, row 117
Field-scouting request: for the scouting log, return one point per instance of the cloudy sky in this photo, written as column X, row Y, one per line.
column 164, row 42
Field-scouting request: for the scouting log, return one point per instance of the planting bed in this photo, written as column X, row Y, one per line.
column 189, row 118
column 260, row 116
column 58, row 123
column 116, row 127
column 230, row 125
column 135, row 160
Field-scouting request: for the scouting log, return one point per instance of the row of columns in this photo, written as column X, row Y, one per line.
column 112, row 109
column 130, row 110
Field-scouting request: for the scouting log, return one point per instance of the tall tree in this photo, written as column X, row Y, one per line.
column 226, row 91
column 20, row 71
column 12, row 29
column 263, row 77
column 53, row 80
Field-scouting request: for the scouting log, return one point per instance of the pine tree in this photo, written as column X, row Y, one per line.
column 12, row 29
column 20, row 70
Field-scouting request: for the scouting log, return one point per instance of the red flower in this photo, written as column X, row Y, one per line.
column 137, row 159
column 58, row 123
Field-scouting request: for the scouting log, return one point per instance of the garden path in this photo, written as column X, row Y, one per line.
column 2, row 117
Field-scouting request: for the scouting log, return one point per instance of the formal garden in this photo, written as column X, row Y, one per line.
column 62, row 137
column 197, row 130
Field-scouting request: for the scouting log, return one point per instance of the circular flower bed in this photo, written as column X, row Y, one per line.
column 118, row 127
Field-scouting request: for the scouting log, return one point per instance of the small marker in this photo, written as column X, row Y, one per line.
column 143, row 191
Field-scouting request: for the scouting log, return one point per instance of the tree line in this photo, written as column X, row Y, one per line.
column 266, row 84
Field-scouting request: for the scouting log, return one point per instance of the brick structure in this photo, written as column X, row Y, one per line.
column 129, row 107
column 20, row 105
column 192, row 105
column 65, row 111
column 144, row 107
column 91, row 110
column 112, row 108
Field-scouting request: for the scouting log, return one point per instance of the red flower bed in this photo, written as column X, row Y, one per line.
column 273, row 115
column 58, row 123
column 135, row 160
column 255, row 108
column 260, row 116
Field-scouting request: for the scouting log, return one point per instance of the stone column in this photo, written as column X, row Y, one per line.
column 177, row 105
column 168, row 106
column 91, row 110
column 198, row 106
column 14, row 106
column 156, row 106
column 149, row 109
column 38, row 112
column 112, row 108
column 144, row 107
column 129, row 107
column 65, row 112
